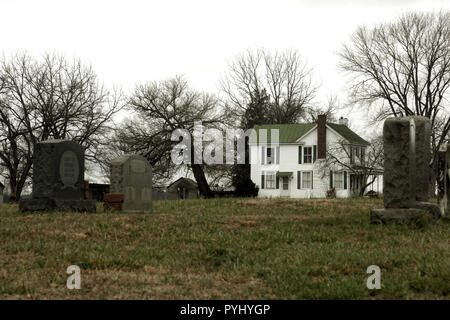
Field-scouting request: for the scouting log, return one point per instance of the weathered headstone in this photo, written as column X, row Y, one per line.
column 444, row 178
column 406, row 171
column 58, row 178
column 2, row 186
column 131, row 175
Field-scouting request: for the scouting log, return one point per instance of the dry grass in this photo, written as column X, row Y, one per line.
column 223, row 249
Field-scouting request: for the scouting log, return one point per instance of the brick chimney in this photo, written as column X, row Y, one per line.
column 321, row 136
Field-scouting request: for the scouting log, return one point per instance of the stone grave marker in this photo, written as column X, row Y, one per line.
column 2, row 187
column 131, row 175
column 406, row 143
column 58, row 178
column 444, row 178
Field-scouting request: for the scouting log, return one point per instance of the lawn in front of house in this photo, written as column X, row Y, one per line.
column 223, row 249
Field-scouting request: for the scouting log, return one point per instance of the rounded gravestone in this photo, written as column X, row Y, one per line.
column 131, row 175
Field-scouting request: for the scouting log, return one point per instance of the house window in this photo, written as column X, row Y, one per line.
column 339, row 180
column 307, row 180
column 357, row 152
column 307, row 155
column 270, row 180
column 270, row 155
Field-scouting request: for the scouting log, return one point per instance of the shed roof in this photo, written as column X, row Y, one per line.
column 183, row 181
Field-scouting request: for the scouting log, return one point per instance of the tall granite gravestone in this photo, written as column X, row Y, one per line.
column 443, row 178
column 58, row 178
column 131, row 175
column 406, row 143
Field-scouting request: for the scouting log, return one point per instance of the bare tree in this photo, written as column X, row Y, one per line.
column 364, row 166
column 282, row 77
column 330, row 108
column 164, row 107
column 403, row 68
column 49, row 98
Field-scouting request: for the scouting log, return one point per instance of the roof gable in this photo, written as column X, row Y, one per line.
column 348, row 134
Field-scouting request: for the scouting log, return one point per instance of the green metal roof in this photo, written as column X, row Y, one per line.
column 290, row 133
column 284, row 174
column 348, row 134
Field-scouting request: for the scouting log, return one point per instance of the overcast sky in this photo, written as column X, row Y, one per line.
column 137, row 41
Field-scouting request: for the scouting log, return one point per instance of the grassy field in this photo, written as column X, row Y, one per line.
column 223, row 249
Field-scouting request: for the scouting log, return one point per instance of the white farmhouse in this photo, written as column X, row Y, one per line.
column 297, row 166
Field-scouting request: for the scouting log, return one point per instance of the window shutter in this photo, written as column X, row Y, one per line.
column 262, row 180
column 352, row 159
column 298, row 179
column 299, row 154
column 312, row 179
column 278, row 155
column 277, row 179
column 345, row 179
column 331, row 179
column 263, row 154
column 314, row 154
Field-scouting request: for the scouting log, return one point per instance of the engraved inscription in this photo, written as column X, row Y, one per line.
column 69, row 169
column 137, row 166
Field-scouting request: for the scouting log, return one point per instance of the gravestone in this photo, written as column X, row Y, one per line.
column 443, row 178
column 406, row 143
column 2, row 187
column 58, row 178
column 131, row 175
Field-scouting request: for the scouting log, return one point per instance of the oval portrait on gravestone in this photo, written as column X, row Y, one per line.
column 69, row 169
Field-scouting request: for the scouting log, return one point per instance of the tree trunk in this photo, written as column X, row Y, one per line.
column 199, row 174
column 14, row 195
column 361, row 191
column 202, row 183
